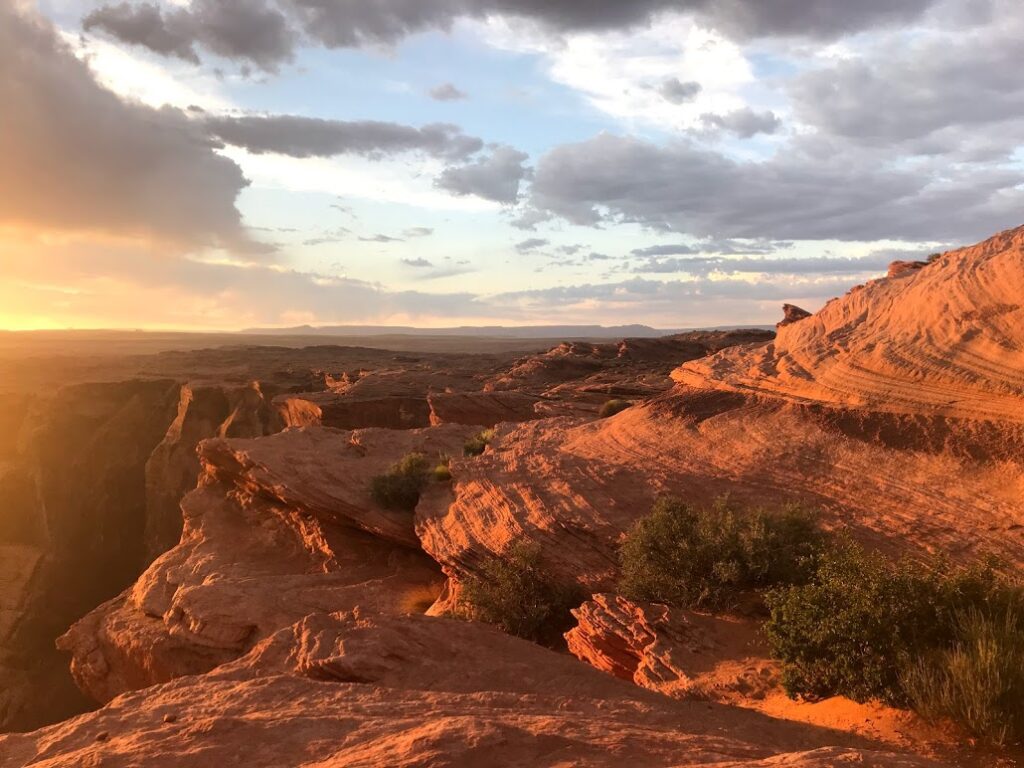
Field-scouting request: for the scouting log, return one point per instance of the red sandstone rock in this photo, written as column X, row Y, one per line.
column 670, row 650
column 360, row 691
column 792, row 314
column 280, row 527
column 898, row 268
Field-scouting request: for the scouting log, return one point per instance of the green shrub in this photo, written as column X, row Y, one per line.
column 613, row 407
column 979, row 681
column 706, row 558
column 442, row 473
column 399, row 489
column 478, row 443
column 514, row 593
column 863, row 619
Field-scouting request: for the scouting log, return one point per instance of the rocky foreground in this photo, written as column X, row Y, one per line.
column 297, row 622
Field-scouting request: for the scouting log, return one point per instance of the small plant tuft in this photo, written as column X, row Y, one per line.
column 515, row 593
column 613, row 407
column 707, row 558
column 478, row 443
column 979, row 681
column 399, row 489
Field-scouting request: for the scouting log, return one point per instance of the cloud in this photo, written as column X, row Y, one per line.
column 531, row 244
column 744, row 122
column 418, row 232
column 495, row 177
column 248, row 30
column 266, row 34
column 701, row 301
column 77, row 158
column 802, row 193
column 304, row 137
column 820, row 265
column 678, row 92
column 937, row 93
column 146, row 26
column 115, row 286
column 447, row 92
column 419, row 263
column 728, row 247
column 381, row 239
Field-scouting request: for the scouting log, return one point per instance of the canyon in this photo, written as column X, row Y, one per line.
column 196, row 547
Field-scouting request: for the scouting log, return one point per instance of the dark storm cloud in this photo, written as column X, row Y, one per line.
column 678, row 92
column 795, row 195
column 76, row 157
column 144, row 25
column 248, row 30
column 495, row 177
column 312, row 137
column 265, row 34
column 744, row 123
column 447, row 92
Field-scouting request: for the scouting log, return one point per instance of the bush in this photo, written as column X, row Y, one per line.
column 442, row 473
column 514, row 593
column 400, row 488
column 706, row 558
column 613, row 407
column 862, row 620
column 478, row 443
column 979, row 681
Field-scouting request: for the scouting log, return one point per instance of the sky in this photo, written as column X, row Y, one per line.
column 225, row 164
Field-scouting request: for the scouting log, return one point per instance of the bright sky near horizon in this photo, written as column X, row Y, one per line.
column 221, row 164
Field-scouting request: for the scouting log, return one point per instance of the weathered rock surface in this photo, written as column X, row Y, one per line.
column 74, row 511
column 897, row 410
column 280, row 527
column 669, row 650
column 484, row 409
column 172, row 470
column 944, row 340
column 355, row 689
column 630, row 368
column 792, row 314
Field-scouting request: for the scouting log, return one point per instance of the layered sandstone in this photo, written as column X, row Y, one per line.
column 896, row 410
column 358, row 689
column 279, row 527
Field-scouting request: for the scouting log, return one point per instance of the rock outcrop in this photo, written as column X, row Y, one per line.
column 172, row 470
column 279, row 527
column 673, row 651
column 792, row 314
column 358, row 689
column 896, row 410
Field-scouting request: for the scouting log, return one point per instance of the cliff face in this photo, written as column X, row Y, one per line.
column 75, row 491
column 279, row 527
column 91, row 480
column 173, row 467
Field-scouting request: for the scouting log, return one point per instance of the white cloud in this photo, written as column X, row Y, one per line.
column 622, row 73
column 407, row 182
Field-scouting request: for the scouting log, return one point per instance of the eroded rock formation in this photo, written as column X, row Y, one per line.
column 358, row 689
